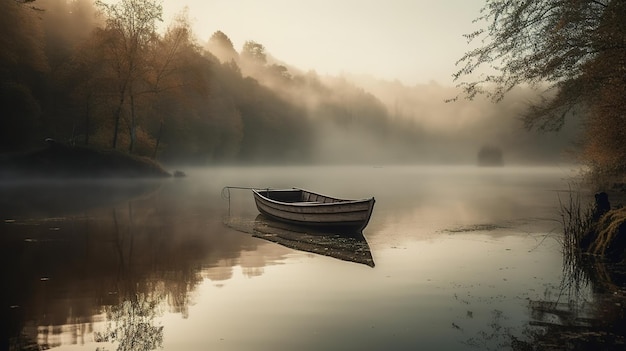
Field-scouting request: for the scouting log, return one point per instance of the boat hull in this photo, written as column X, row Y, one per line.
column 317, row 210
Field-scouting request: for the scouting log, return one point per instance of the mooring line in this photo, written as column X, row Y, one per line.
column 226, row 192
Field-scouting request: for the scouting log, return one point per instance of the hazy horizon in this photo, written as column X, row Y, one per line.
column 413, row 42
column 294, row 102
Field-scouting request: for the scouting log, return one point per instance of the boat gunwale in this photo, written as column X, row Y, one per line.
column 339, row 202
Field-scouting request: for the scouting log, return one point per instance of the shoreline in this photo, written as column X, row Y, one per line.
column 60, row 161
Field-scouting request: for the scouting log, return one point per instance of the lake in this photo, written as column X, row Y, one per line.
column 459, row 255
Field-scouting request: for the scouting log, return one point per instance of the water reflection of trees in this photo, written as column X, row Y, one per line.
column 132, row 323
column 111, row 270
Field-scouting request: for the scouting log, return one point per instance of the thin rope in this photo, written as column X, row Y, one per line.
column 226, row 192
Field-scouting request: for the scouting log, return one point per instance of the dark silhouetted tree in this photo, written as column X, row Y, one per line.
column 22, row 65
column 66, row 24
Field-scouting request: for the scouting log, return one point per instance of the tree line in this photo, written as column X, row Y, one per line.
column 104, row 75
column 109, row 75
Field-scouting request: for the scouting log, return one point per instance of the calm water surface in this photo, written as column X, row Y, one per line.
column 459, row 253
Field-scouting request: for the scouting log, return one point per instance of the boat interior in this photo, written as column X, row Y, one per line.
column 297, row 196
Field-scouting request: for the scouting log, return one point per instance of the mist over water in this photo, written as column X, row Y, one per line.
column 456, row 251
column 360, row 119
column 452, row 246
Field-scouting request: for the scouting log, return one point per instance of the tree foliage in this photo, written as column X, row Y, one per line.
column 254, row 53
column 576, row 49
column 131, row 28
column 81, row 79
column 221, row 46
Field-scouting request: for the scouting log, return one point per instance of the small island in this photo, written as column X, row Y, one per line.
column 490, row 156
column 59, row 160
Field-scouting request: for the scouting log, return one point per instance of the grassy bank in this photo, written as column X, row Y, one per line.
column 597, row 228
column 593, row 253
column 63, row 161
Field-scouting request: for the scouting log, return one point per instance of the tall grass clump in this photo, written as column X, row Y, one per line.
column 577, row 220
column 594, row 238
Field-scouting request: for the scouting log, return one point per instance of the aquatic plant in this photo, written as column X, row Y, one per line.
column 577, row 220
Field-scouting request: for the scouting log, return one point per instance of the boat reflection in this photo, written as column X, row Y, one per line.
column 351, row 247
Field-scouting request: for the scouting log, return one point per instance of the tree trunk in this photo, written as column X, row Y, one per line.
column 87, row 120
column 118, row 114
column 133, row 127
column 158, row 141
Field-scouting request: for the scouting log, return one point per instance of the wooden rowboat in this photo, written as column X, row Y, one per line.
column 302, row 207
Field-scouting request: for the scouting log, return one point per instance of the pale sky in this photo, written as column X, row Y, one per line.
column 414, row 41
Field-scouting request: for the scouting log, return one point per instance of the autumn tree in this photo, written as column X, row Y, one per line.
column 131, row 28
column 575, row 50
column 179, row 88
column 222, row 47
column 89, row 86
column 254, row 53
